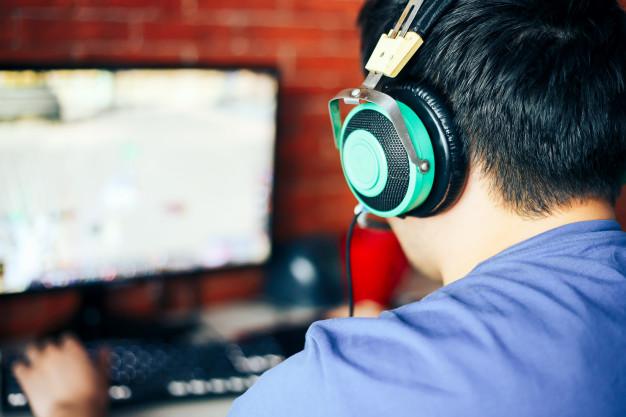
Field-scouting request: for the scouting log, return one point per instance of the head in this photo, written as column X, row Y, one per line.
column 538, row 92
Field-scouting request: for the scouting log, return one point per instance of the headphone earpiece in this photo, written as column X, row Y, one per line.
column 449, row 149
column 400, row 149
column 376, row 164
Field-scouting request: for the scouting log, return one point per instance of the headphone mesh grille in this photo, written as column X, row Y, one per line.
column 397, row 160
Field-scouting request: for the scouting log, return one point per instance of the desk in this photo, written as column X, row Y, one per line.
column 229, row 321
column 197, row 408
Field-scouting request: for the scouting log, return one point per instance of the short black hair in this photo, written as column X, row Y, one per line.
column 537, row 88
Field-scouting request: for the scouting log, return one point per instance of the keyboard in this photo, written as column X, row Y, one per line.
column 151, row 371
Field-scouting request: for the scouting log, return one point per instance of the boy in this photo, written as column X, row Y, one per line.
column 531, row 320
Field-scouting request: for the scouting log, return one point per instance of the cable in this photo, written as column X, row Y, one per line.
column 357, row 213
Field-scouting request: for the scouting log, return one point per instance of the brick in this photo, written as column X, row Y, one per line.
column 280, row 18
column 119, row 14
column 298, row 157
column 328, row 206
column 350, row 7
column 305, row 103
column 320, row 80
column 7, row 34
column 20, row 4
column 289, row 41
column 348, row 65
column 131, row 53
column 50, row 32
column 175, row 31
column 161, row 4
column 286, row 34
column 314, row 123
column 240, row 4
column 36, row 56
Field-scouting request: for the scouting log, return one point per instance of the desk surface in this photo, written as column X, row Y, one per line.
column 197, row 408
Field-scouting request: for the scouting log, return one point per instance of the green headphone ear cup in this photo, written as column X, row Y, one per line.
column 447, row 140
column 376, row 165
column 365, row 163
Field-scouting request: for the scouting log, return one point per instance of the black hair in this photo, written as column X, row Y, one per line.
column 537, row 88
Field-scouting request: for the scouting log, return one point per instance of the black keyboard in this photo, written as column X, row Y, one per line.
column 148, row 371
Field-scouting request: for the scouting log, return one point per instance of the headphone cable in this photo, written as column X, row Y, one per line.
column 357, row 213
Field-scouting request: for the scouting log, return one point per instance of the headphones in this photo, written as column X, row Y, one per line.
column 400, row 150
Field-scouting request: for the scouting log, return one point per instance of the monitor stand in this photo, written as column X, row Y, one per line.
column 93, row 320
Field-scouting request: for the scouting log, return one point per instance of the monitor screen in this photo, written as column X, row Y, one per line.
column 112, row 174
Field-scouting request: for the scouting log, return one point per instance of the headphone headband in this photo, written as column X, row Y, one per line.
column 400, row 155
column 430, row 13
column 390, row 56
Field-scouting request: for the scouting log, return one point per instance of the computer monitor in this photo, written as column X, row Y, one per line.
column 111, row 174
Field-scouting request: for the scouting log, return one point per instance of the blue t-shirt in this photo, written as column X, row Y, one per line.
column 537, row 330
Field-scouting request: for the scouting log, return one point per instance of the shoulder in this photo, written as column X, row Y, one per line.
column 384, row 366
column 505, row 330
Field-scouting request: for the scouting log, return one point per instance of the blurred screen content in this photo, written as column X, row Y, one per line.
column 113, row 174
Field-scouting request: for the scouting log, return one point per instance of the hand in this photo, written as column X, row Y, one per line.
column 61, row 380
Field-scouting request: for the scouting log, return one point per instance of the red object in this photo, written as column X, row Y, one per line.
column 378, row 264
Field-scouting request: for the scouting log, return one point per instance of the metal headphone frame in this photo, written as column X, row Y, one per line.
column 367, row 93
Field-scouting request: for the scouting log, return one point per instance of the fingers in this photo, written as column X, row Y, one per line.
column 33, row 353
column 24, row 375
column 57, row 377
column 39, row 353
column 21, row 371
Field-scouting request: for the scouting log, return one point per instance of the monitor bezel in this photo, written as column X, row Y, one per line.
column 195, row 273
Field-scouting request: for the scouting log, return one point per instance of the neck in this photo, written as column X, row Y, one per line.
column 489, row 229
column 448, row 246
